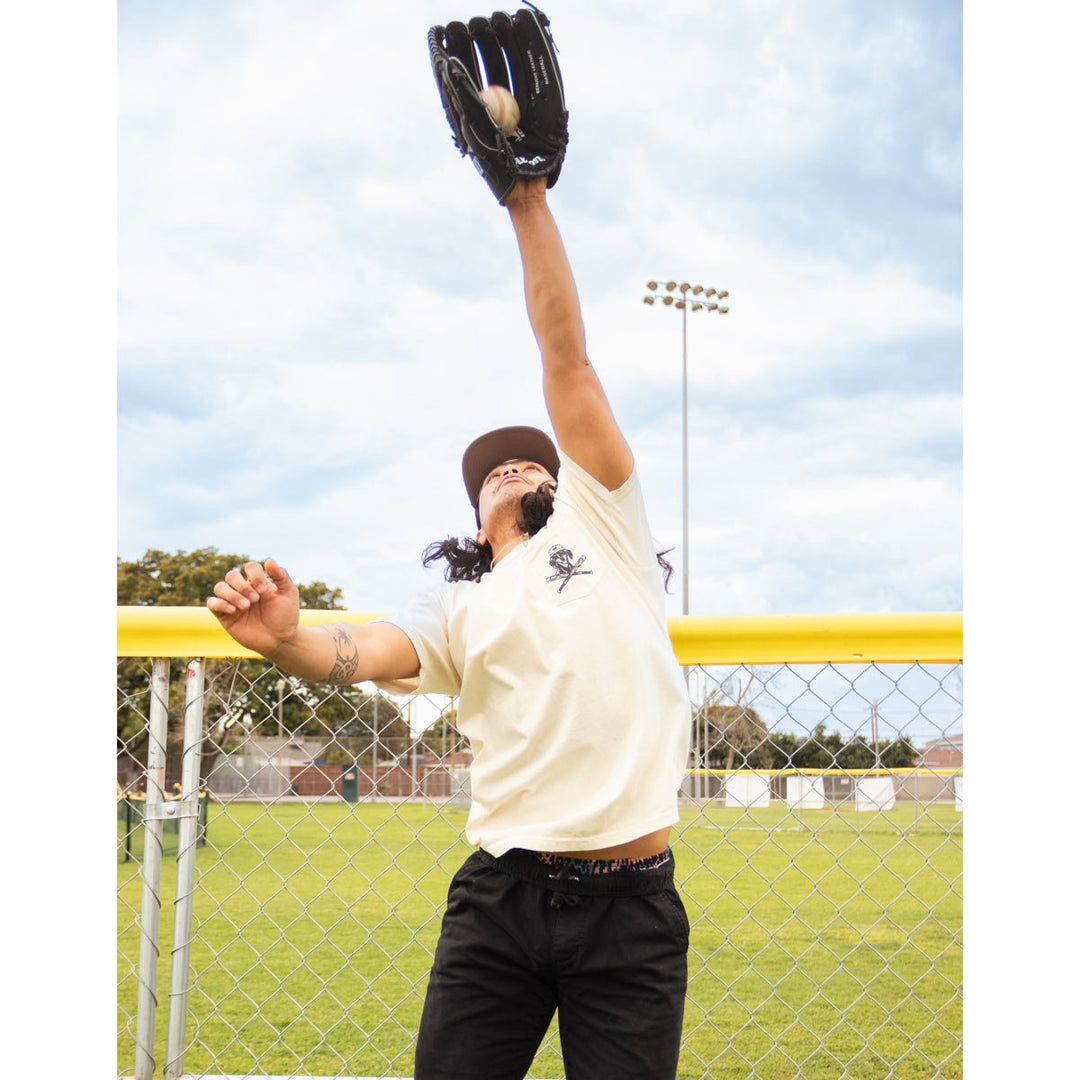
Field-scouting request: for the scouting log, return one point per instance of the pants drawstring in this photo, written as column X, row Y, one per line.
column 561, row 899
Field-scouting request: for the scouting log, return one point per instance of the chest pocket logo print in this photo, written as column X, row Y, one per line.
column 562, row 562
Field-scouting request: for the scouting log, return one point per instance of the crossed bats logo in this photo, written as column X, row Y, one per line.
column 562, row 562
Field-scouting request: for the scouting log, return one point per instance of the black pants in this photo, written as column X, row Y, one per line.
column 520, row 940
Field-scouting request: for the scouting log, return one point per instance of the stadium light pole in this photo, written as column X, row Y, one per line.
column 689, row 301
column 690, row 298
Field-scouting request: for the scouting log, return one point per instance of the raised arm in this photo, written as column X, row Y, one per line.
column 260, row 607
column 584, row 424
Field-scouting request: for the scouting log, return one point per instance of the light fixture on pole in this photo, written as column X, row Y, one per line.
column 685, row 298
column 666, row 293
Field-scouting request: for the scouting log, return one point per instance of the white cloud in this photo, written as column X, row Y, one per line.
column 788, row 310
column 321, row 304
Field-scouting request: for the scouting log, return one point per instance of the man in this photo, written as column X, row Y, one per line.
column 554, row 637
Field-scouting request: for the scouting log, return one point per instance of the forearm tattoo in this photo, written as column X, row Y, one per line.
column 347, row 657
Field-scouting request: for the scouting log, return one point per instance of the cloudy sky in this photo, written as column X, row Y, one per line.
column 320, row 301
column 301, row 255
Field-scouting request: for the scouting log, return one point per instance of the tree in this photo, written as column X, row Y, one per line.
column 821, row 750
column 187, row 579
column 783, row 745
column 898, row 753
column 732, row 728
column 363, row 728
column 442, row 737
column 731, row 731
column 240, row 695
column 818, row 750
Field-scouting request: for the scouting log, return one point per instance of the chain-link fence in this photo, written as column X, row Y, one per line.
column 818, row 854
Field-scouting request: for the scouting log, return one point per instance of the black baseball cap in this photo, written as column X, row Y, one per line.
column 505, row 444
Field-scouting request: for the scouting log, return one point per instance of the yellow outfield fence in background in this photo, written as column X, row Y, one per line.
column 284, row 850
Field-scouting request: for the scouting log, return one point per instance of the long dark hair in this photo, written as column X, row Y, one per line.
column 466, row 560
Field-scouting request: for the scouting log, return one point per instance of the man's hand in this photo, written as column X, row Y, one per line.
column 259, row 606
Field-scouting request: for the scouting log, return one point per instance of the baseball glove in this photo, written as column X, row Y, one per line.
column 519, row 54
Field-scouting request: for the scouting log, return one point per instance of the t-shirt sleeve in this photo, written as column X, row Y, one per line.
column 426, row 624
column 618, row 516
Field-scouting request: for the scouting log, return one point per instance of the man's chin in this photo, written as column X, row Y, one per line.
column 506, row 503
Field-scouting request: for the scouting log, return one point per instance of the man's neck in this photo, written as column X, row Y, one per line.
column 502, row 543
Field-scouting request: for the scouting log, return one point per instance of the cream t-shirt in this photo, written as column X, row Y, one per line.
column 569, row 692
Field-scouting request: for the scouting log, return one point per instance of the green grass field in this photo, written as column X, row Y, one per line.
column 822, row 944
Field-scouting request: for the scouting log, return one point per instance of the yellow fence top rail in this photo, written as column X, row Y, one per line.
column 934, row 637
column 930, row 637
column 193, row 631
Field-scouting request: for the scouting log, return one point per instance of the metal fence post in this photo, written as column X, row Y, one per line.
column 129, row 817
column 188, row 808
column 151, row 870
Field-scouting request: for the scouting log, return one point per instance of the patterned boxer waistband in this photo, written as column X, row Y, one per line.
column 588, row 877
column 591, row 867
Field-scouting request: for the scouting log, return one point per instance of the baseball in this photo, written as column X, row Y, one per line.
column 502, row 108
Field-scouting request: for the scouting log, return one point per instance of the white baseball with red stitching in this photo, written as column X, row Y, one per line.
column 502, row 107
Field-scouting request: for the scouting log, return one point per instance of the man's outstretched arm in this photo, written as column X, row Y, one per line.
column 584, row 424
column 260, row 607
